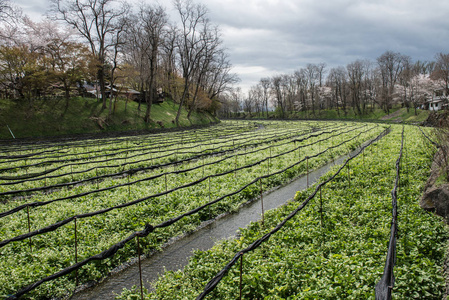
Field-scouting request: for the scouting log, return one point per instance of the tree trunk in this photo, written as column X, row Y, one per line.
column 181, row 103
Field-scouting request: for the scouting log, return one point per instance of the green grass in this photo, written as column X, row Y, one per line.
column 85, row 116
column 410, row 116
column 371, row 114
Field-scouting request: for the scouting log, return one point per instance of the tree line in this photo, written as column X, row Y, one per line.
column 360, row 86
column 112, row 45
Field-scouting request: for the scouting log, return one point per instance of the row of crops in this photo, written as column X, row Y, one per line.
column 336, row 246
column 70, row 210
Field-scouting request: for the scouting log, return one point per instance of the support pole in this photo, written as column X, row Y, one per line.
column 76, row 255
column 349, row 175
column 241, row 275
column 166, row 187
column 29, row 226
column 261, row 201
column 321, row 208
column 129, row 189
column 307, row 162
column 209, row 200
column 140, row 269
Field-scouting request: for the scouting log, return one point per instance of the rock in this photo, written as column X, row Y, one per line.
column 436, row 199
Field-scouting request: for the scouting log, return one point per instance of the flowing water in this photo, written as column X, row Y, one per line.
column 176, row 255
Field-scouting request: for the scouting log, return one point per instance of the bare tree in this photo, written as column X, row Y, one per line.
column 321, row 69
column 265, row 84
column 277, row 88
column 146, row 38
column 189, row 43
column 236, row 99
column 219, row 77
column 390, row 65
column 312, row 77
column 337, row 80
column 6, row 11
column 168, row 60
column 355, row 74
column 256, row 93
column 248, row 103
column 404, row 79
column 209, row 45
column 301, row 89
column 117, row 44
column 441, row 71
column 10, row 14
column 97, row 21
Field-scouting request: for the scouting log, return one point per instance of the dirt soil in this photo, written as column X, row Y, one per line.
column 392, row 115
column 436, row 199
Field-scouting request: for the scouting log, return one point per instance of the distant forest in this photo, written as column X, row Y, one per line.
column 361, row 86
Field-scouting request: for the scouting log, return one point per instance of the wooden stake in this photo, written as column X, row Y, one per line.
column 307, row 162
column 321, row 208
column 203, row 166
column 261, row 201
column 76, row 255
column 349, row 175
column 269, row 161
column 241, row 274
column 129, row 188
column 140, row 269
column 29, row 226
column 166, row 187
column 209, row 199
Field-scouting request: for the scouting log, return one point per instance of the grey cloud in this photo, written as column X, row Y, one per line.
column 272, row 36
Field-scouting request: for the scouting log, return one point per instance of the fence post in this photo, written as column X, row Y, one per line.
column 140, row 269
column 349, row 175
column 363, row 155
column 261, row 201
column 76, row 255
column 209, row 200
column 45, row 176
column 295, row 147
column 307, row 163
column 129, row 188
column 235, row 155
column 269, row 161
column 166, row 187
column 321, row 208
column 245, row 155
column 29, row 226
column 241, row 274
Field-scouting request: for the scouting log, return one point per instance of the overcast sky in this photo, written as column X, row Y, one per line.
column 269, row 37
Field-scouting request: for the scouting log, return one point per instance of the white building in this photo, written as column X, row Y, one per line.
column 438, row 101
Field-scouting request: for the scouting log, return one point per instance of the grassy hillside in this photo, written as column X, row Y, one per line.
column 84, row 115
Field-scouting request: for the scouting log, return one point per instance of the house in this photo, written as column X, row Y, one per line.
column 437, row 101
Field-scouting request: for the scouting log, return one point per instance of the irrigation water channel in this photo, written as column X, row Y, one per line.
column 176, row 255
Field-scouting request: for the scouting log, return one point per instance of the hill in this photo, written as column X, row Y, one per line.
column 51, row 117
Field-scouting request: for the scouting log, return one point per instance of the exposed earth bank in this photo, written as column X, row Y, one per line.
column 436, row 199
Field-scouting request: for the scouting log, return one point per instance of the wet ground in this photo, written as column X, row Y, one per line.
column 176, row 255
